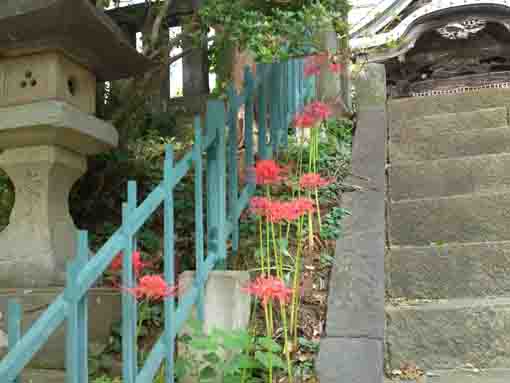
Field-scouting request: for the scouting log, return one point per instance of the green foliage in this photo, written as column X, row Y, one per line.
column 106, row 379
column 231, row 356
column 332, row 223
column 273, row 30
column 6, row 199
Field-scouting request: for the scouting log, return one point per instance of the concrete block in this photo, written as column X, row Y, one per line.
column 467, row 218
column 442, row 178
column 465, row 375
column 343, row 360
column 447, row 334
column 226, row 307
column 429, row 146
column 104, row 311
column 449, row 271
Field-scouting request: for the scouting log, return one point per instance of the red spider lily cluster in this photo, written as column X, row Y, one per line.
column 312, row 114
column 281, row 211
column 269, row 289
column 313, row 181
column 313, row 65
column 137, row 263
column 152, row 287
column 268, row 172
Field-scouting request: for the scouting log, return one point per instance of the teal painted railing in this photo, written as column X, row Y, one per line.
column 277, row 91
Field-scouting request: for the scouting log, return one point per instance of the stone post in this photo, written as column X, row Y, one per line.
column 352, row 349
column 52, row 53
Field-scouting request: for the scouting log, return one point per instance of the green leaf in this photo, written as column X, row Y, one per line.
column 207, row 374
column 268, row 359
column 212, row 358
column 269, row 344
column 181, row 368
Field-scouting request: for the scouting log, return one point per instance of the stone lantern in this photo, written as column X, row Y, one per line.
column 52, row 52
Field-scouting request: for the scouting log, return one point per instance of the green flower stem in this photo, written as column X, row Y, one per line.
column 261, row 247
column 295, row 284
column 270, row 335
column 286, row 339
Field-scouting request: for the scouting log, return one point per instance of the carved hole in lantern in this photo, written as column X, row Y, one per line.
column 23, row 84
column 72, row 86
column 33, row 82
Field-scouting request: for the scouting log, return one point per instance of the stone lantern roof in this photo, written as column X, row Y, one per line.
column 73, row 27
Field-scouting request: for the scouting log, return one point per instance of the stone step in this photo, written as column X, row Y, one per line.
column 480, row 217
column 449, row 271
column 431, row 146
column 465, row 375
column 43, row 376
column 449, row 177
column 448, row 123
column 417, row 107
column 449, row 334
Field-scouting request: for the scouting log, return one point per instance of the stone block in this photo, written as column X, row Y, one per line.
column 104, row 311
column 449, row 123
column 458, row 219
column 430, row 146
column 442, row 178
column 417, row 107
column 449, row 271
column 448, row 334
column 46, row 76
column 343, row 360
column 465, row 375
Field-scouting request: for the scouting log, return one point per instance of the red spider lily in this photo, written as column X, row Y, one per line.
column 260, row 205
column 268, row 172
column 137, row 263
column 152, row 287
column 280, row 211
column 313, row 181
column 269, row 289
column 336, row 67
column 303, row 206
column 312, row 69
column 305, row 120
column 319, row 110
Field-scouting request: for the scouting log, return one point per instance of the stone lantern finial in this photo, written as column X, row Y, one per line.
column 51, row 54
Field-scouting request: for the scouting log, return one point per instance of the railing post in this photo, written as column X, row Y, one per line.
column 129, row 304
column 249, row 83
column 262, row 94
column 233, row 171
column 169, row 264
column 199, row 212
column 274, row 123
column 77, row 322
column 284, row 100
column 14, row 316
column 216, row 181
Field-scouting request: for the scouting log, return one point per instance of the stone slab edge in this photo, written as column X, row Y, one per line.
column 352, row 349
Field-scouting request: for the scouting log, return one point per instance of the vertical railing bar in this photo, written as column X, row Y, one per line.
column 199, row 212
column 77, row 323
column 169, row 266
column 262, row 106
column 129, row 304
column 285, row 101
column 14, row 316
column 233, row 174
column 249, row 117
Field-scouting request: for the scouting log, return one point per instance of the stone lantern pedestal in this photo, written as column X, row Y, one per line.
column 52, row 52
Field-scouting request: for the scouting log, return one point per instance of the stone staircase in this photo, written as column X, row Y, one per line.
column 448, row 258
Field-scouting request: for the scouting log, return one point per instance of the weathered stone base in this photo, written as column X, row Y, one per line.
column 41, row 235
column 104, row 311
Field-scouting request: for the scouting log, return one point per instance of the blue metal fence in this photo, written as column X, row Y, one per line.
column 278, row 91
